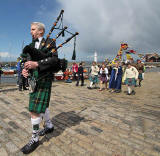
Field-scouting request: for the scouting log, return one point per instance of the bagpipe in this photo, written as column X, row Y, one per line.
column 48, row 49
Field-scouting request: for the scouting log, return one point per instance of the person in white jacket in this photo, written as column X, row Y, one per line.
column 93, row 75
column 130, row 77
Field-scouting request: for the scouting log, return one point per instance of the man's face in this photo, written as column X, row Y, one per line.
column 35, row 32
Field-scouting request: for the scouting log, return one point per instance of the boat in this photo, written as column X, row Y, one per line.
column 59, row 75
column 9, row 70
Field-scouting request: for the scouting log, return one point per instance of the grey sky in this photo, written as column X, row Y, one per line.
column 103, row 24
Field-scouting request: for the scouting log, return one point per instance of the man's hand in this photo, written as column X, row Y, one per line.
column 25, row 73
column 30, row 65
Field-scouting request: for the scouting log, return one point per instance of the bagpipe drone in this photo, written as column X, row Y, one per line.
column 48, row 50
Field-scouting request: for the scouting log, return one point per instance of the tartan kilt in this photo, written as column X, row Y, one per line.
column 39, row 99
column 130, row 81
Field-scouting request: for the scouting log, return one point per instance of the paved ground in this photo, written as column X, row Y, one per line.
column 87, row 122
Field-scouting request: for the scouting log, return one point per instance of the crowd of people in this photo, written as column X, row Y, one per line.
column 103, row 76
column 114, row 75
column 76, row 73
column 109, row 77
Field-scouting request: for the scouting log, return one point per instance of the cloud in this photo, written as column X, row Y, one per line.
column 104, row 24
column 6, row 56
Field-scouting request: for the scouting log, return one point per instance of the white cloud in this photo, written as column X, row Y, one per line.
column 6, row 56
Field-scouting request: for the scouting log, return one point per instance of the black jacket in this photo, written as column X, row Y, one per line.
column 80, row 70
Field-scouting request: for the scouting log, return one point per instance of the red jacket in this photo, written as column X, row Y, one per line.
column 75, row 68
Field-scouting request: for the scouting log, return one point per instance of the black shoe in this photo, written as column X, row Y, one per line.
column 117, row 91
column 30, row 147
column 89, row 87
column 46, row 130
column 25, row 88
column 82, row 84
column 20, row 89
column 96, row 87
column 128, row 93
column 133, row 92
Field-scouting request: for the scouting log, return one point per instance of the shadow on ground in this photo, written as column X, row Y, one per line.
column 61, row 122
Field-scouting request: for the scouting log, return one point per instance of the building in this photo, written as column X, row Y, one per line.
column 152, row 57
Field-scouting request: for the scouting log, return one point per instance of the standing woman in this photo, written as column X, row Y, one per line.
column 116, row 79
column 103, row 77
column 140, row 68
column 94, row 75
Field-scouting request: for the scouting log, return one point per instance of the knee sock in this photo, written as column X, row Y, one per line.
column 129, row 89
column 132, row 88
column 35, row 126
column 48, row 122
column 91, row 83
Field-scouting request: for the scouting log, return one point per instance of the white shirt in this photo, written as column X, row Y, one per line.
column 105, row 71
column 94, row 70
column 131, row 73
column 37, row 44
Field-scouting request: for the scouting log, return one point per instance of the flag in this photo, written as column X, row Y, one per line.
column 128, row 56
column 124, row 46
column 131, row 51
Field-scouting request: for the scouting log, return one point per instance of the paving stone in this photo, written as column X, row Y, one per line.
column 11, row 147
column 81, row 131
column 4, row 138
column 9, row 130
column 57, row 151
column 3, row 116
column 77, row 148
column 85, row 125
column 13, row 124
column 97, row 129
column 26, row 114
column 3, row 152
column 86, row 146
column 4, row 101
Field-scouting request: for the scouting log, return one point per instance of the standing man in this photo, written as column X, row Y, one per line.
column 80, row 75
column 40, row 97
column 19, row 71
